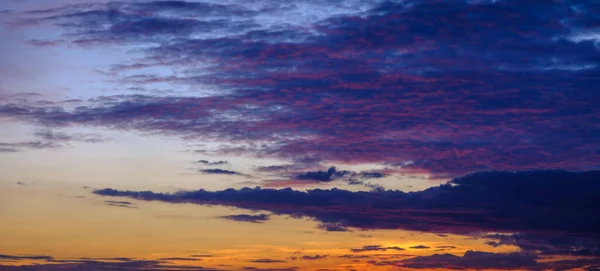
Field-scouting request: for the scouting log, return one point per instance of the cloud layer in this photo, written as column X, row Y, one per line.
column 478, row 85
column 543, row 202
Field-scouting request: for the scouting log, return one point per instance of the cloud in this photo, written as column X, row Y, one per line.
column 248, row 218
column 124, row 204
column 333, row 227
column 49, row 140
column 375, row 248
column 530, row 201
column 474, row 260
column 28, row 257
column 314, row 257
column 53, row 136
column 120, row 263
column 351, row 81
column 547, row 244
column 212, row 163
column 24, row 145
column 420, row 247
column 219, row 171
column 267, row 261
column 322, row 176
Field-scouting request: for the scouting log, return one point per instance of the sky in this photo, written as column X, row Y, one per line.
column 304, row 135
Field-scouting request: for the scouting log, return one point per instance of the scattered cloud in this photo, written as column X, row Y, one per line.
column 313, row 257
column 267, row 261
column 211, row 163
column 124, row 204
column 420, row 247
column 339, row 227
column 375, row 248
column 248, row 218
column 219, row 171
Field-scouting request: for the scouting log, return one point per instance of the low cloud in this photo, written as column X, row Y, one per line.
column 248, row 218
column 219, row 171
column 211, row 163
column 533, row 201
column 375, row 248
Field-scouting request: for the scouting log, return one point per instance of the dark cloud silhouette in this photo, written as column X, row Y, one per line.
column 333, row 227
column 420, row 247
column 178, row 259
column 25, row 257
column 474, row 260
column 101, row 264
column 533, row 201
column 322, row 176
column 267, row 261
column 248, row 218
column 546, row 244
column 118, row 202
column 445, row 247
column 479, row 85
column 124, row 204
column 313, row 257
column 375, row 248
column 212, row 163
column 219, row 171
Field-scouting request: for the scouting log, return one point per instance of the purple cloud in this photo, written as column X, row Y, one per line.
column 436, row 96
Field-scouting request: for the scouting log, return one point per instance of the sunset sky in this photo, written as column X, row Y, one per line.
column 305, row 135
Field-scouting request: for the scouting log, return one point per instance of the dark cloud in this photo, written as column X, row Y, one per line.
column 25, row 257
column 118, row 202
column 545, row 244
column 219, row 171
column 99, row 264
column 375, row 248
column 474, row 260
column 124, row 204
column 248, row 218
column 322, row 176
column 372, row 175
column 496, row 261
column 531, row 201
column 445, row 247
column 314, row 257
column 212, row 163
column 333, row 227
column 178, row 259
column 267, row 261
column 420, row 247
column 479, row 85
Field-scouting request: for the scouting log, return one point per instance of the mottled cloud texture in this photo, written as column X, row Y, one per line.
column 442, row 87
